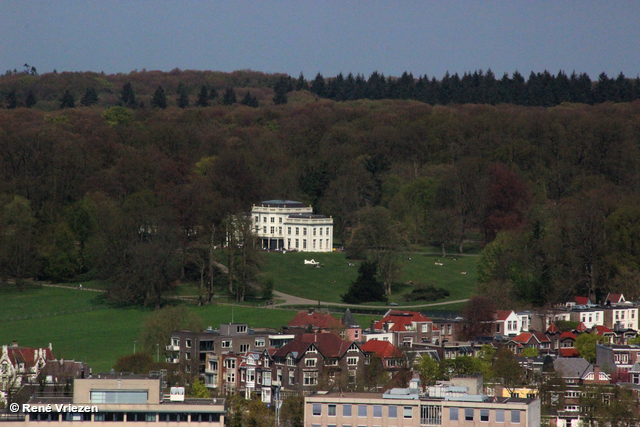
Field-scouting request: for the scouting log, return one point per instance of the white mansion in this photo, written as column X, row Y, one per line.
column 285, row 224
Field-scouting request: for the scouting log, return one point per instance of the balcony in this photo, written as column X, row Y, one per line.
column 173, row 360
column 173, row 347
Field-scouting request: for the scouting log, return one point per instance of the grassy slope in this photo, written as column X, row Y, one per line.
column 292, row 276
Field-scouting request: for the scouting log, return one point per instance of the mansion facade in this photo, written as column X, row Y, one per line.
column 290, row 225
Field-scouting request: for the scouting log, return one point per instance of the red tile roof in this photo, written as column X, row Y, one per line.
column 615, row 298
column 581, row 300
column 567, row 335
column 328, row 344
column 401, row 317
column 601, row 330
column 503, row 314
column 568, row 352
column 304, row 319
column 523, row 337
column 27, row 355
column 383, row 349
column 553, row 329
column 581, row 327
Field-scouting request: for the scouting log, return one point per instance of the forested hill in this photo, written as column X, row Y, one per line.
column 190, row 88
column 553, row 192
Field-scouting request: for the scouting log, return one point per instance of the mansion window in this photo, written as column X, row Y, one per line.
column 314, row 243
column 310, row 363
column 321, row 231
column 288, row 230
column 297, row 231
column 279, row 230
column 304, row 231
column 297, row 243
column 327, row 231
column 310, row 378
column 264, row 229
column 327, row 244
column 273, row 219
column 320, row 243
column 257, row 219
column 304, row 243
column 273, row 229
column 280, row 220
column 265, row 219
column 314, row 231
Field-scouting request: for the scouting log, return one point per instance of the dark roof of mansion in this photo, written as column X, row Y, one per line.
column 307, row 216
column 283, row 204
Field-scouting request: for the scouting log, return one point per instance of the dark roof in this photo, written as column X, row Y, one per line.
column 307, row 216
column 305, row 318
column 283, row 204
column 328, row 344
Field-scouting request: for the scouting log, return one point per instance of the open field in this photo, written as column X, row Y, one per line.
column 293, row 277
column 82, row 326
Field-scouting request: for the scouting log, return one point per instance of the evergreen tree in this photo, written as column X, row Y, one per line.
column 128, row 96
column 281, row 89
column 213, row 94
column 183, row 96
column 366, row 287
column 31, row 100
column 318, row 86
column 203, row 97
column 12, row 100
column 159, row 99
column 250, row 100
column 229, row 97
column 90, row 97
column 67, row 100
column 301, row 83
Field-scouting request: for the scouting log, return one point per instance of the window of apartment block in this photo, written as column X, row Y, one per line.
column 310, row 378
column 377, row 411
column 468, row 414
column 484, row 415
column 393, row 411
column 515, row 417
column 362, row 411
column 453, row 414
column 226, row 343
column 317, row 409
column 188, row 343
column 331, row 411
column 346, row 410
column 499, row 415
column 407, row 412
column 230, row 363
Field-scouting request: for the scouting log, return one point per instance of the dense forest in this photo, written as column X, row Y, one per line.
column 134, row 181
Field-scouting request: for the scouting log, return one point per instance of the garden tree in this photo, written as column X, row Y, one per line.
column 198, row 390
column 159, row 99
column 183, row 96
column 622, row 409
column 377, row 165
column 478, row 315
column 31, row 100
column 292, row 412
column 244, row 259
column 137, row 363
column 443, row 228
column 507, row 368
column 430, row 370
column 461, row 365
column 250, row 100
column 258, row 414
column 507, row 201
column 18, row 258
column 530, row 352
column 67, row 100
column 586, row 345
column 381, row 239
column 203, row 97
column 90, row 97
column 128, row 96
column 229, row 96
column 158, row 326
column 281, row 89
column 374, row 377
column 366, row 287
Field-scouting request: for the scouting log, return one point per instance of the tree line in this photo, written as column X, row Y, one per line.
column 138, row 196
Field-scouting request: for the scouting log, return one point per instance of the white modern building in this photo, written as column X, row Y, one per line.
column 290, row 225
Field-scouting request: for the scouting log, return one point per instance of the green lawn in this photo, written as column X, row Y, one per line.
column 292, row 276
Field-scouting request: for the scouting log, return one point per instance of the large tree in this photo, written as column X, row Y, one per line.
column 159, row 99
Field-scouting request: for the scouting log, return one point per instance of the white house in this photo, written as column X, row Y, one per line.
column 290, row 225
column 590, row 317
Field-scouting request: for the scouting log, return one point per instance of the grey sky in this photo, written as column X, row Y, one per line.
column 322, row 36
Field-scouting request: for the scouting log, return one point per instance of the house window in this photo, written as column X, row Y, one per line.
column 231, row 377
column 259, row 342
column 291, row 361
column 352, row 361
column 310, row 363
column 449, row 329
column 407, row 412
column 393, row 411
column 515, row 417
column 310, row 378
column 362, row 411
column 346, row 410
column 321, row 231
column 453, row 414
column 468, row 414
column 244, row 348
column 327, row 231
column 292, row 378
column 266, row 378
column 264, row 219
column 230, row 363
column 499, row 415
column 297, row 231
column 498, row 328
column 425, row 327
column 484, row 415
column 332, row 412
column 377, row 411
column 314, row 244
column 317, row 409
column 188, row 343
column 622, row 315
column 280, row 220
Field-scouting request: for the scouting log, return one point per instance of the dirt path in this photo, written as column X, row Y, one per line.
column 294, row 300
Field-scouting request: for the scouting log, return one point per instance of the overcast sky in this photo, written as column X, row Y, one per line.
column 423, row 37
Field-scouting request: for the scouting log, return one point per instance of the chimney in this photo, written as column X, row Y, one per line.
column 14, row 343
column 311, row 310
column 596, row 373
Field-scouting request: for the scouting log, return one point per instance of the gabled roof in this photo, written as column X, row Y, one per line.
column 602, row 330
column 568, row 334
column 306, row 318
column 553, row 329
column 327, row 344
column 401, row 317
column 28, row 356
column 615, row 298
column 348, row 319
column 525, row 337
column 581, row 327
column 581, row 300
column 383, row 349
column 574, row 367
column 503, row 314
